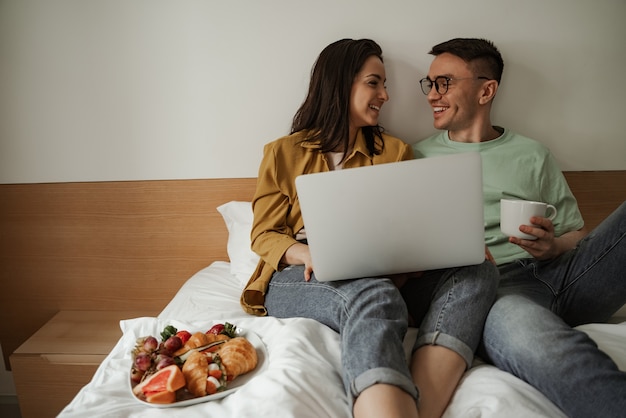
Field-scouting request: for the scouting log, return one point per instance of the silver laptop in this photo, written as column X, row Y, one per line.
column 392, row 218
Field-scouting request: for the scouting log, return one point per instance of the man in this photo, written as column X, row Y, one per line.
column 564, row 278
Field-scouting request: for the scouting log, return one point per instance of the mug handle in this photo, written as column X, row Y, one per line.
column 551, row 212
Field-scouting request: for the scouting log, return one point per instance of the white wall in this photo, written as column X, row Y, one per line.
column 155, row 89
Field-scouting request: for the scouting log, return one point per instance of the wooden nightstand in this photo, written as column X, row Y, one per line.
column 61, row 357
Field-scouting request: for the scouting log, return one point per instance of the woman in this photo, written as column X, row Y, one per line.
column 337, row 128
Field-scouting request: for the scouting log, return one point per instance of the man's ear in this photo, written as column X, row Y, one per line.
column 488, row 91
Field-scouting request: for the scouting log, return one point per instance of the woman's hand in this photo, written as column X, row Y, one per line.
column 488, row 255
column 299, row 254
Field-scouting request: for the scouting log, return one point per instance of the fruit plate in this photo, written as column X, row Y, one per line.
column 237, row 383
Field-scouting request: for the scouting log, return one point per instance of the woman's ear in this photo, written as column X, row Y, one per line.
column 488, row 92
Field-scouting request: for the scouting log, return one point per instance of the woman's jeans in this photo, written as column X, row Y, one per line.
column 371, row 317
column 529, row 331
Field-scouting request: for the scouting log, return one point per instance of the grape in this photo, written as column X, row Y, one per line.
column 143, row 361
column 136, row 375
column 164, row 361
column 173, row 343
column 150, row 344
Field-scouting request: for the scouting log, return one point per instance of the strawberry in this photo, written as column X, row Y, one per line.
column 226, row 328
column 216, row 329
column 183, row 335
column 211, row 387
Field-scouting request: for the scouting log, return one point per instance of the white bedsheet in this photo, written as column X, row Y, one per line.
column 302, row 378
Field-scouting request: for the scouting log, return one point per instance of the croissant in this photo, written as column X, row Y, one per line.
column 199, row 339
column 238, row 357
column 195, row 370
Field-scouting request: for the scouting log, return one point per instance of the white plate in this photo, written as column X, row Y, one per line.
column 261, row 365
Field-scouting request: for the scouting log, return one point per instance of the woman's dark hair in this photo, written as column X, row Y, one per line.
column 482, row 54
column 326, row 109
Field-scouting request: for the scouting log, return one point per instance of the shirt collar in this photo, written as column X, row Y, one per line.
column 359, row 145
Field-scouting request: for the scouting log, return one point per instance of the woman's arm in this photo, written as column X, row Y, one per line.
column 271, row 235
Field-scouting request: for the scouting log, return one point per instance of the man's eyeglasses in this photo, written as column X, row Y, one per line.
column 442, row 83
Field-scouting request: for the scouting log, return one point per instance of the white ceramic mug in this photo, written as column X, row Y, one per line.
column 515, row 212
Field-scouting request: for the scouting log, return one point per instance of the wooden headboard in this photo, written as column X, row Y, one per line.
column 104, row 246
column 131, row 245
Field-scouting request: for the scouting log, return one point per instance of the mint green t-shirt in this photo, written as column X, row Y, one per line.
column 513, row 167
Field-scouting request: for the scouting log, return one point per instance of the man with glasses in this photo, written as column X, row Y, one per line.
column 563, row 278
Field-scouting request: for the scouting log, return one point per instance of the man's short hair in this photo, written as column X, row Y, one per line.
column 481, row 54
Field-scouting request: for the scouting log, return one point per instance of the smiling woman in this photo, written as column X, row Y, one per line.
column 336, row 110
column 367, row 96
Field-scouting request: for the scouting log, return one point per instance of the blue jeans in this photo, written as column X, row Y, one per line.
column 529, row 331
column 371, row 317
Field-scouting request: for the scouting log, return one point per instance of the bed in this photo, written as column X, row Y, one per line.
column 161, row 247
column 300, row 372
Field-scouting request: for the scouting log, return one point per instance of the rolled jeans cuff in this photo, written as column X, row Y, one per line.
column 448, row 341
column 383, row 375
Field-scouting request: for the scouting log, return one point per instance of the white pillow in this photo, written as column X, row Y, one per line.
column 238, row 218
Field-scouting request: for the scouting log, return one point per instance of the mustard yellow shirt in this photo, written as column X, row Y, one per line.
column 277, row 216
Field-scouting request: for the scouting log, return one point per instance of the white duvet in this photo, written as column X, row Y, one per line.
column 302, row 375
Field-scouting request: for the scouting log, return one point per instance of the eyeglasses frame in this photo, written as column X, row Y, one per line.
column 448, row 80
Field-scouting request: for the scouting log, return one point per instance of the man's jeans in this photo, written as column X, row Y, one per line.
column 529, row 332
column 371, row 317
